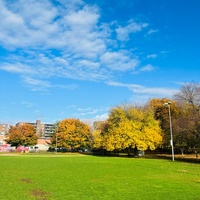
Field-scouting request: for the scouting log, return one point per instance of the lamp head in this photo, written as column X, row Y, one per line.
column 168, row 103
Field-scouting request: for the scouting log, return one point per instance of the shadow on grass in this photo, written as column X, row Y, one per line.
column 177, row 158
column 151, row 156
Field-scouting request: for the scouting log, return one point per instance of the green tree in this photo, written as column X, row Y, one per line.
column 72, row 134
column 22, row 135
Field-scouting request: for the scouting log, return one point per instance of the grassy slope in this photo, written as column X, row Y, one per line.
column 89, row 177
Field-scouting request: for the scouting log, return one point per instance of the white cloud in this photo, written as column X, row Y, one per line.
column 102, row 117
column 27, row 23
column 146, row 92
column 68, row 87
column 89, row 64
column 152, row 56
column 90, row 121
column 94, row 111
column 42, row 85
column 89, row 111
column 151, row 31
column 17, row 68
column 71, row 107
column 82, row 20
column 41, row 24
column 132, row 27
column 120, row 61
column 147, row 68
column 90, row 115
column 66, row 40
column 37, row 84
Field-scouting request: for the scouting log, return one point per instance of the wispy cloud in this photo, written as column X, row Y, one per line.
column 27, row 104
column 146, row 92
column 119, row 61
column 90, row 121
column 132, row 27
column 89, row 112
column 152, row 56
column 18, row 68
column 147, row 68
column 151, row 31
column 102, row 117
column 36, row 84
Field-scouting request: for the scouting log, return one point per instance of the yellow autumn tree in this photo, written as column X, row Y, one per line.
column 130, row 127
column 98, row 139
column 73, row 134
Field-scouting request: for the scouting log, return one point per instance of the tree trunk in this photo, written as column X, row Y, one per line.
column 135, row 152
column 128, row 151
column 182, row 151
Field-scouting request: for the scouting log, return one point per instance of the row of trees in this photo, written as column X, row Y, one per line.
column 148, row 127
column 70, row 134
column 185, row 113
column 130, row 127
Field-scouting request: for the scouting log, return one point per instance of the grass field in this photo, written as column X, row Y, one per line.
column 76, row 177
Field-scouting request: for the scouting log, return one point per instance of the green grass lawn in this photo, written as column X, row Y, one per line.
column 62, row 177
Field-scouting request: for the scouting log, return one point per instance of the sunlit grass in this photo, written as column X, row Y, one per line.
column 74, row 177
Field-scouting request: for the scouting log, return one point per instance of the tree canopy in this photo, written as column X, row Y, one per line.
column 22, row 135
column 129, row 127
column 187, row 124
column 72, row 134
column 185, row 118
column 161, row 114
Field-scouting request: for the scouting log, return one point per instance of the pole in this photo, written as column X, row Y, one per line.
column 56, row 139
column 170, row 123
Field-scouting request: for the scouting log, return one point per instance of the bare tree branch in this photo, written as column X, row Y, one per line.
column 189, row 94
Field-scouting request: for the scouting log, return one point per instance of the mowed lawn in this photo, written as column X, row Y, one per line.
column 74, row 177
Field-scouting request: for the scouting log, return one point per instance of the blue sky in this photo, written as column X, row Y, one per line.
column 77, row 59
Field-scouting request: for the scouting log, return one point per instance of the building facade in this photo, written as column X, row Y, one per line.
column 3, row 132
column 42, row 130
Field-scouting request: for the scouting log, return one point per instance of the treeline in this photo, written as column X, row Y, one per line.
column 129, row 127
column 185, row 116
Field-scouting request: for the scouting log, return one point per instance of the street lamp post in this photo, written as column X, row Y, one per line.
column 170, row 123
column 56, row 139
